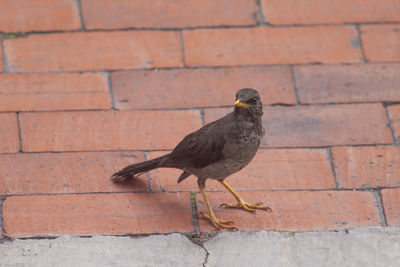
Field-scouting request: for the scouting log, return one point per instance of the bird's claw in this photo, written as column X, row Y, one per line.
column 219, row 224
column 250, row 207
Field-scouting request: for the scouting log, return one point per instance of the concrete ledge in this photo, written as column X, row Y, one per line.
column 358, row 247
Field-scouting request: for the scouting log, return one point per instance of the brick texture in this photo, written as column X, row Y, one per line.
column 266, row 45
column 348, row 83
column 297, row 211
column 302, row 126
column 106, row 130
column 93, row 51
column 111, row 14
column 270, row 169
column 23, row 92
column 391, row 200
column 8, row 133
column 326, row 11
column 66, row 172
column 394, row 113
column 381, row 42
column 38, row 15
column 89, row 214
column 183, row 88
column 366, row 167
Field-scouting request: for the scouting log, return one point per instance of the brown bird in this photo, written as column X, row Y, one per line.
column 215, row 151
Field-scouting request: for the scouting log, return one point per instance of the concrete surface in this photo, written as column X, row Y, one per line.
column 359, row 247
column 156, row 250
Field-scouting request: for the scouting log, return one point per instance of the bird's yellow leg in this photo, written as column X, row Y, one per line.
column 219, row 224
column 250, row 207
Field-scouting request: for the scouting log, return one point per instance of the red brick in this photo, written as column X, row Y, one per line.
column 93, row 51
column 366, row 167
column 302, row 126
column 87, row 214
column 348, row 83
column 267, row 45
column 106, row 130
column 43, row 173
column 39, row 15
column 270, row 169
column 391, row 200
column 9, row 133
column 297, row 211
column 394, row 114
column 183, row 88
column 1, row 56
column 112, row 14
column 327, row 11
column 381, row 42
column 23, row 92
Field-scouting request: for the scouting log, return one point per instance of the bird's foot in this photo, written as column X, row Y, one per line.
column 250, row 207
column 219, row 224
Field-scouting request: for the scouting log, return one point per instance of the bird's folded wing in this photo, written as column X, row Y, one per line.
column 200, row 148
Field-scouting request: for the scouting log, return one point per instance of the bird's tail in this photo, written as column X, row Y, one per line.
column 141, row 167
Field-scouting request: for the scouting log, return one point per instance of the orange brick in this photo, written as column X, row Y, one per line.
column 366, row 167
column 391, row 200
column 39, row 15
column 116, row 14
column 22, row 92
column 327, row 11
column 348, row 83
column 302, row 126
column 297, row 211
column 66, row 172
column 266, row 45
column 93, row 51
column 381, row 42
column 87, row 214
column 270, row 169
column 106, row 130
column 185, row 88
column 394, row 113
column 9, row 133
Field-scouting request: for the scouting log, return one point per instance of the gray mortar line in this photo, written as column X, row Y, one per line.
column 332, row 165
column 381, row 209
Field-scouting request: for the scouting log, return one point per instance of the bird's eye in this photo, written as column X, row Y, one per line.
column 252, row 101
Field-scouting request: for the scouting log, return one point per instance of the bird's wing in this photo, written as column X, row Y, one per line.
column 202, row 147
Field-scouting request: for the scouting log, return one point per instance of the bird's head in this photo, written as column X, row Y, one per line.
column 248, row 102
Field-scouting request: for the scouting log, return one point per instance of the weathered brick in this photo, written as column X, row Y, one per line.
column 297, row 211
column 8, row 133
column 87, row 214
column 23, row 92
column 348, row 83
column 116, row 14
column 302, row 126
column 381, row 42
column 267, row 45
column 365, row 167
column 185, row 88
column 391, row 200
column 93, row 51
column 270, row 169
column 106, row 130
column 326, row 11
column 39, row 15
column 394, row 114
column 66, row 172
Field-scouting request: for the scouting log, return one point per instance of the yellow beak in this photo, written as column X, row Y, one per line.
column 240, row 104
